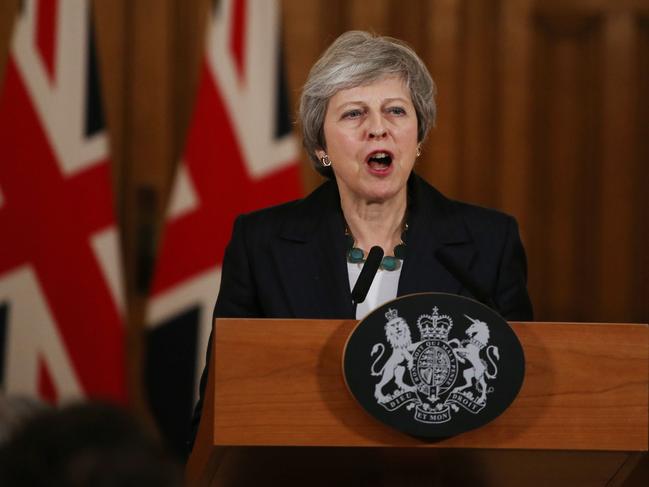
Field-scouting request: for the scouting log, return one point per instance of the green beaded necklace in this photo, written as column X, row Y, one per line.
column 356, row 255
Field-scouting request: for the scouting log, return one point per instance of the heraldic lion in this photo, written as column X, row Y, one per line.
column 398, row 336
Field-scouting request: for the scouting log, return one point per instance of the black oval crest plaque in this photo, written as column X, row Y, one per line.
column 434, row 365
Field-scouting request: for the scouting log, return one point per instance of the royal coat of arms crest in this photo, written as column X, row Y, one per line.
column 433, row 364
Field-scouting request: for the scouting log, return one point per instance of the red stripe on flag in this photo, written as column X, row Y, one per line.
column 46, row 22
column 224, row 188
column 238, row 36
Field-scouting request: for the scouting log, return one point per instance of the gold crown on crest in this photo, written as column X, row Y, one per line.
column 434, row 327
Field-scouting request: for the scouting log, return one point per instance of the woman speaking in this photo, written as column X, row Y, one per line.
column 365, row 111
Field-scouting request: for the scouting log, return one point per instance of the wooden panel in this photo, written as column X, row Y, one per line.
column 616, row 204
column 188, row 27
column 515, row 138
column 150, row 109
column 439, row 162
column 583, row 6
column 409, row 24
column 109, row 19
column 585, row 389
column 302, row 24
column 110, row 25
column 147, row 162
column 564, row 120
column 479, row 170
column 374, row 19
column 641, row 175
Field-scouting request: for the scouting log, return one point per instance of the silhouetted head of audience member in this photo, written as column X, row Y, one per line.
column 86, row 445
column 15, row 410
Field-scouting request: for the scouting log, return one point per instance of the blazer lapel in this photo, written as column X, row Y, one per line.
column 431, row 226
column 310, row 257
column 310, row 251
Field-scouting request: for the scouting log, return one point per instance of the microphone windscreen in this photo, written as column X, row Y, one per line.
column 371, row 266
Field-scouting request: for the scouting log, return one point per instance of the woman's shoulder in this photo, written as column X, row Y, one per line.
column 475, row 218
column 482, row 216
column 270, row 214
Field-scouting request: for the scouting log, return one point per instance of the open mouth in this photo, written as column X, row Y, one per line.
column 379, row 161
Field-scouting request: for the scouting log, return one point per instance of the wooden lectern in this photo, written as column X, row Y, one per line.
column 277, row 412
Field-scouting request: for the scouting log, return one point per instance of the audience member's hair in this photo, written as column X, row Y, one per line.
column 86, row 445
column 15, row 411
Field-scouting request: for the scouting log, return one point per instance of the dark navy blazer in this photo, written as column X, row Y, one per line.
column 289, row 261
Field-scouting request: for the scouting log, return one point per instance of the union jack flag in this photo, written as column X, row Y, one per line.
column 240, row 155
column 61, row 333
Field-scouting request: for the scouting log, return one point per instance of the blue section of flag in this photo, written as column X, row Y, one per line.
column 282, row 115
column 170, row 376
column 94, row 109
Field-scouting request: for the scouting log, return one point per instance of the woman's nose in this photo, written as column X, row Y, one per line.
column 376, row 128
column 377, row 133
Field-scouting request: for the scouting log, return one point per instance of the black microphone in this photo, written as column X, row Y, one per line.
column 372, row 263
column 466, row 279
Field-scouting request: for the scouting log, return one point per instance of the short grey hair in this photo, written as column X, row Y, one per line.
column 358, row 58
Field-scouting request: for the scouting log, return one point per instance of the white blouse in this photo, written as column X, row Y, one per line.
column 383, row 288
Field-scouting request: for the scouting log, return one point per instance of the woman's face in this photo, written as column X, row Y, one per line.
column 371, row 135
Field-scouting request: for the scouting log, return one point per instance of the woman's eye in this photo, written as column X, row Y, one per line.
column 397, row 111
column 352, row 114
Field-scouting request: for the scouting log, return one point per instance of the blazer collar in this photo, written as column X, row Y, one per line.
column 310, row 253
column 310, row 256
column 433, row 223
